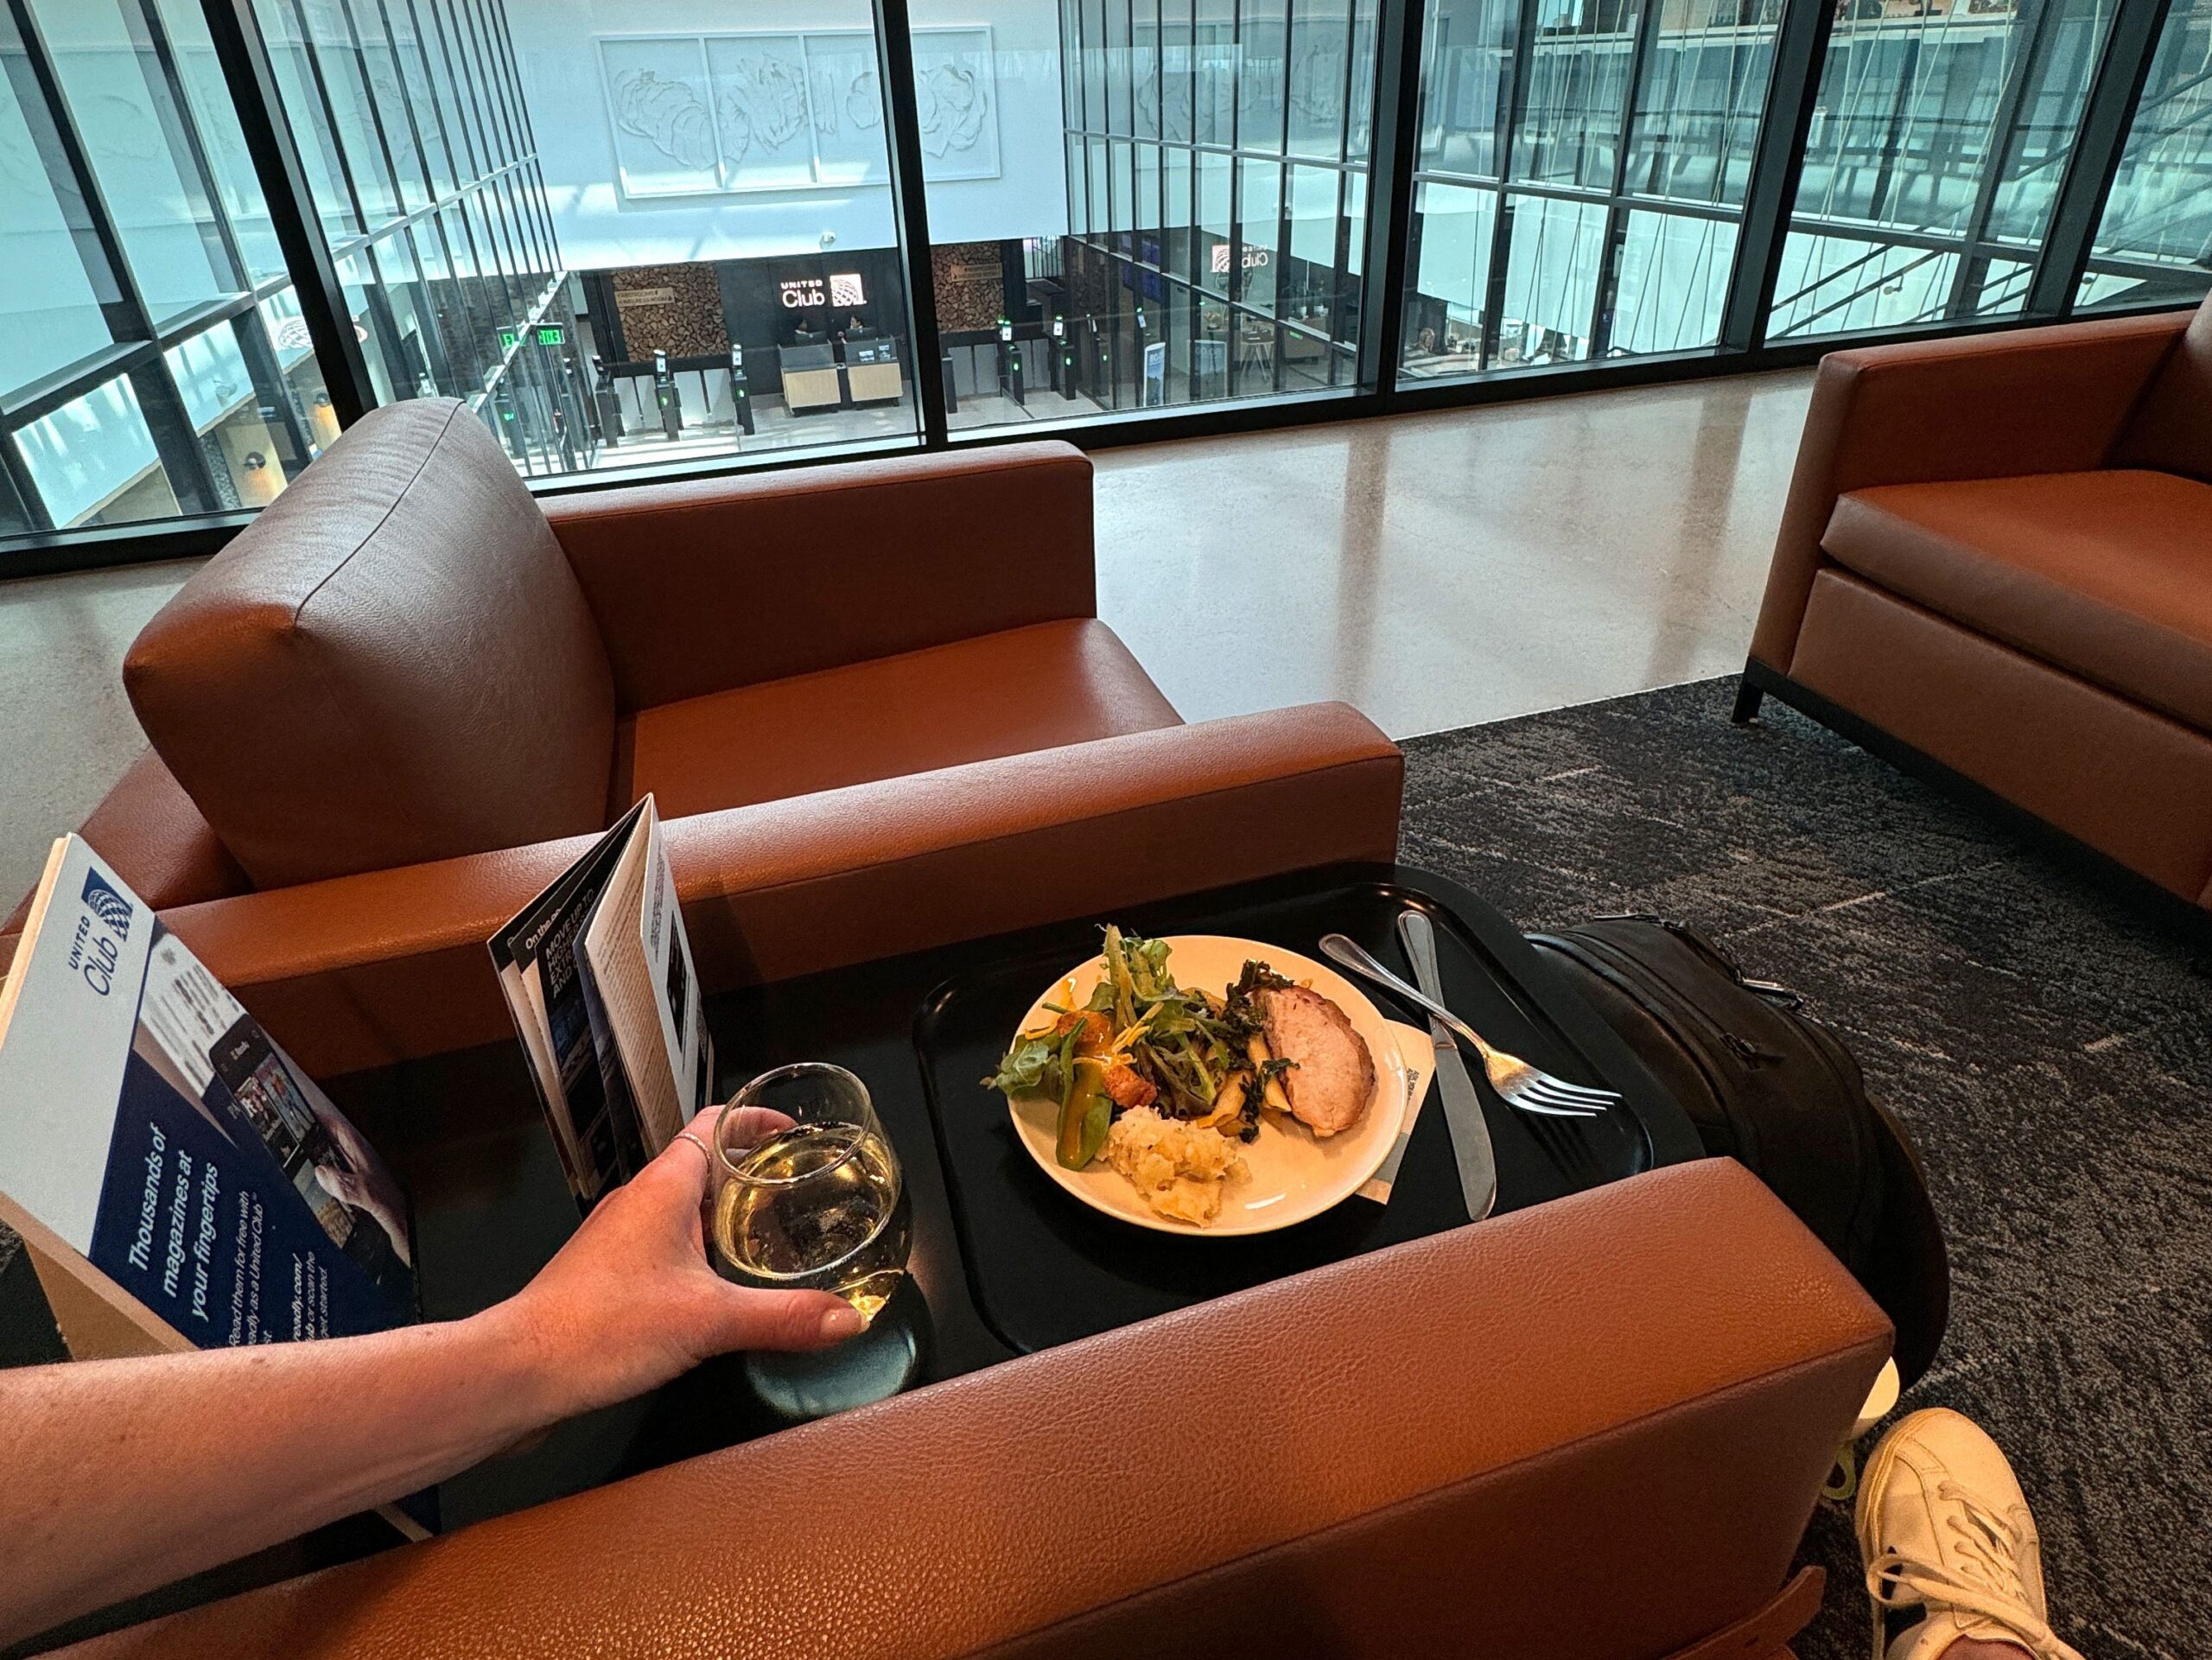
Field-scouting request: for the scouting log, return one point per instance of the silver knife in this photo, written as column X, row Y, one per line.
column 1463, row 1108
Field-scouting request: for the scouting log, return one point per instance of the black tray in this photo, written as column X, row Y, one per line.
column 1044, row 1268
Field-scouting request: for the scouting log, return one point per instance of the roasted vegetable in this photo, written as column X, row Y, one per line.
column 1128, row 1087
column 1269, row 1071
column 1086, row 1113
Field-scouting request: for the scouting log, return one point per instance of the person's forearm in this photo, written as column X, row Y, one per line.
column 126, row 1474
column 117, row 1476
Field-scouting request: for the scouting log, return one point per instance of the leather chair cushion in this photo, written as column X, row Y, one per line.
column 393, row 665
column 2106, row 575
column 1004, row 694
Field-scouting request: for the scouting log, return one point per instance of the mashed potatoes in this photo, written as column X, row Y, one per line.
column 1179, row 1168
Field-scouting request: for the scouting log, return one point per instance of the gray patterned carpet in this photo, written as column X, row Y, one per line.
column 2050, row 1047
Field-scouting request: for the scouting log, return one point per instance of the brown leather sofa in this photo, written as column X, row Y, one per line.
column 1998, row 552
column 1593, row 1429
column 874, row 703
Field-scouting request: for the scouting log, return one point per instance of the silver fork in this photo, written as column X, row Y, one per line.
column 1517, row 1083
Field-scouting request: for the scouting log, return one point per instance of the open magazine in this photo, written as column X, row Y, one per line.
column 598, row 975
column 179, row 1182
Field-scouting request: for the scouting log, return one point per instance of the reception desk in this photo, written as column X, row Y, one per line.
column 812, row 383
column 871, row 369
column 873, row 383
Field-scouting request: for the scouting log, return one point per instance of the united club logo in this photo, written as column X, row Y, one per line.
column 95, row 951
column 107, row 904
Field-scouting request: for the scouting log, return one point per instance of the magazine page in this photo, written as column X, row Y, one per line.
column 640, row 963
column 677, row 1000
column 595, row 1128
column 527, row 1009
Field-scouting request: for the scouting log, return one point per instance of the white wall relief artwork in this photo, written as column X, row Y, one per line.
column 663, row 125
column 848, row 140
column 956, row 103
column 709, row 114
column 761, row 118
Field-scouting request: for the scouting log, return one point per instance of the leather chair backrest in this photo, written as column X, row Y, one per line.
column 392, row 665
column 2170, row 430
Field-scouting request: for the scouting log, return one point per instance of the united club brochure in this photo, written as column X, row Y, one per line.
column 179, row 1181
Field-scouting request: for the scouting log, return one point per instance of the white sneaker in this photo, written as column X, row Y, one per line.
column 1943, row 1525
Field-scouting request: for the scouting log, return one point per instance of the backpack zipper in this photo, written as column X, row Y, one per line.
column 1773, row 990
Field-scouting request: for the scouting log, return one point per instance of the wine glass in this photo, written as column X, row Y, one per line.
column 812, row 1197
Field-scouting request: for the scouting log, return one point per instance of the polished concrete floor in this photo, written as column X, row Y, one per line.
column 1435, row 570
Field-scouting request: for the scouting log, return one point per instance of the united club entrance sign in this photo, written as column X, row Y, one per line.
column 811, row 293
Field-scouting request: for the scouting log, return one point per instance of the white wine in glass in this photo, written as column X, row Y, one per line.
column 812, row 1197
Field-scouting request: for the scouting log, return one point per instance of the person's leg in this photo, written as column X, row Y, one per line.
column 1953, row 1567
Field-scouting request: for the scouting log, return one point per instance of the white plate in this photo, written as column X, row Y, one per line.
column 1294, row 1173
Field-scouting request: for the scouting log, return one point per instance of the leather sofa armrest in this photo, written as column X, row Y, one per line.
column 2037, row 400
column 371, row 969
column 148, row 829
column 709, row 583
column 1595, row 1427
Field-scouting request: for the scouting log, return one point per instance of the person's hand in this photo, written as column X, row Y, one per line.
column 631, row 1301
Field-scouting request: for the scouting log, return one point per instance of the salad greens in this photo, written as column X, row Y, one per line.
column 1141, row 1039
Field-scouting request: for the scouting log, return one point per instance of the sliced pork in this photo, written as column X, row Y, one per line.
column 1331, row 1077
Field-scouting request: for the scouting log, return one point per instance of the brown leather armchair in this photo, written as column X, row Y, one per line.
column 879, row 712
column 1595, row 1428
column 1998, row 552
column 874, row 703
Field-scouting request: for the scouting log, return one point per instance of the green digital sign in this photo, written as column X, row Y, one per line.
column 552, row 334
column 507, row 338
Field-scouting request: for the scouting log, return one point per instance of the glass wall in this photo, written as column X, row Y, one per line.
column 632, row 232
column 2154, row 243
column 719, row 180
column 151, row 362
column 1581, row 178
column 1938, row 143
column 1203, row 241
column 417, row 147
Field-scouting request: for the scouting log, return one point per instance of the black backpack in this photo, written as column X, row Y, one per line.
column 1771, row 1087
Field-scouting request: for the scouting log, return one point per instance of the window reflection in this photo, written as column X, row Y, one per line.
column 1674, row 270
column 246, row 417
column 1202, row 242
column 1604, row 221
column 1936, row 135
column 134, row 237
column 238, row 191
column 1697, row 110
column 131, row 132
column 2154, row 243
column 49, row 315
column 93, row 461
